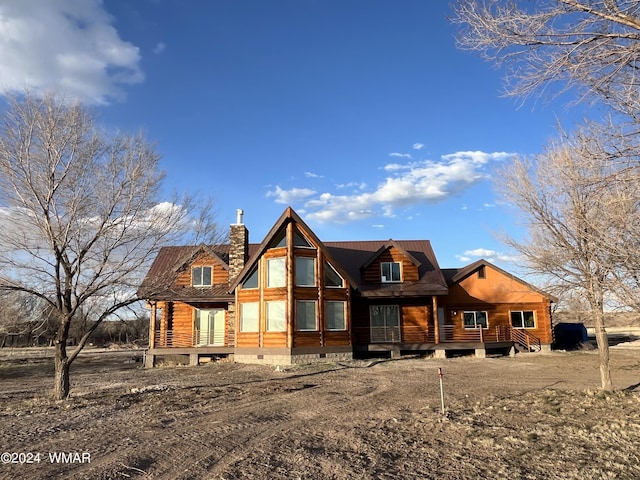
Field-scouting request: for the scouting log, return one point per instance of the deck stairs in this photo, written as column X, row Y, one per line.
column 525, row 340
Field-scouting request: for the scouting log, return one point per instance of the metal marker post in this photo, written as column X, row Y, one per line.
column 441, row 375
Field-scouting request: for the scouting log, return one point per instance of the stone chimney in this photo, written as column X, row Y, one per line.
column 238, row 246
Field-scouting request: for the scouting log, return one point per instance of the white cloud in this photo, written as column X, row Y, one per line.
column 407, row 184
column 290, row 196
column 66, row 46
column 312, row 175
column 400, row 155
column 418, row 146
column 487, row 254
column 356, row 185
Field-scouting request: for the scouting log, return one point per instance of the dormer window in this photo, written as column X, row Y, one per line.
column 390, row 272
column 201, row 276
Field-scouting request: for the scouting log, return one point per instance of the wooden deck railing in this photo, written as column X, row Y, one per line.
column 169, row 338
column 448, row 334
column 526, row 339
column 394, row 334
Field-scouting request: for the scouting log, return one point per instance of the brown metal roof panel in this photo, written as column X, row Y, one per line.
column 353, row 255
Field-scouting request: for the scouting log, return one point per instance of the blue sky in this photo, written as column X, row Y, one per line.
column 360, row 114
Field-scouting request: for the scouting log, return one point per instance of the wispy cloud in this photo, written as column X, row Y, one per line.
column 355, row 185
column 419, row 182
column 312, row 175
column 400, row 155
column 418, row 146
column 68, row 46
column 290, row 196
column 487, row 254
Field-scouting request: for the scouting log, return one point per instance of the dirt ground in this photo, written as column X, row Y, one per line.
column 528, row 417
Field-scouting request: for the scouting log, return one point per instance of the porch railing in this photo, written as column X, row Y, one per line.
column 170, row 338
column 526, row 339
column 447, row 334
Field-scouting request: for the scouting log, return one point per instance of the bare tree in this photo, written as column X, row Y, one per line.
column 21, row 319
column 80, row 216
column 583, row 232
column 576, row 220
column 555, row 45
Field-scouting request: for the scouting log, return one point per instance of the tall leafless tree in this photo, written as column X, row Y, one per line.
column 589, row 49
column 576, row 222
column 80, row 215
column 555, row 45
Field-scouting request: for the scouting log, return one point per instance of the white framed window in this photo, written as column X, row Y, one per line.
column 249, row 317
column 201, row 276
column 523, row 319
column 332, row 278
column 306, row 318
column 473, row 319
column 276, row 316
column 390, row 272
column 335, row 315
column 276, row 272
column 305, row 271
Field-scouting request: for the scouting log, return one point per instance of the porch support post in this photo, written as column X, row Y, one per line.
column 436, row 321
column 152, row 324
column 290, row 282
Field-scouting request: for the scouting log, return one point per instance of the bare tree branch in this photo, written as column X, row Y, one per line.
column 80, row 215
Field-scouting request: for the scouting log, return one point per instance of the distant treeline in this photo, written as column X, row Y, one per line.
column 42, row 333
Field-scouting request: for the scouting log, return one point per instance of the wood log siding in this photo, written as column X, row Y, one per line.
column 290, row 294
column 219, row 275
column 500, row 314
column 409, row 271
column 414, row 321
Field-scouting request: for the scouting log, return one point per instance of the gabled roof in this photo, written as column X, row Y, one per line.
column 289, row 215
column 170, row 261
column 348, row 258
column 387, row 245
column 455, row 275
column 220, row 253
column 355, row 255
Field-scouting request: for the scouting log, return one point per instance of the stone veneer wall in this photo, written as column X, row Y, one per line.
column 288, row 359
column 238, row 252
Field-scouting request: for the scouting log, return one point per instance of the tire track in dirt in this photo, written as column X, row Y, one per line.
column 235, row 423
column 295, row 420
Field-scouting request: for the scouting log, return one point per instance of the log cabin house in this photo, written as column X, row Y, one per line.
column 296, row 299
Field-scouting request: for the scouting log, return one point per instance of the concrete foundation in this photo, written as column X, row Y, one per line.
column 440, row 354
column 295, row 359
column 481, row 353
